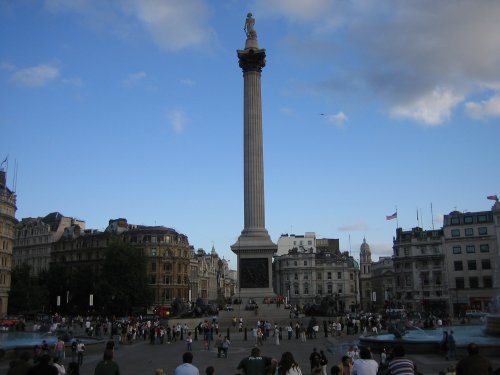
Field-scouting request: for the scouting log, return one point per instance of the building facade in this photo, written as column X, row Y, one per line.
column 301, row 243
column 306, row 277
column 472, row 253
column 35, row 238
column 420, row 271
column 8, row 222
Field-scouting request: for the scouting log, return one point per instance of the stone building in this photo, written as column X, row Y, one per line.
column 420, row 270
column 472, row 243
column 8, row 222
column 307, row 276
column 376, row 280
column 35, row 238
column 168, row 254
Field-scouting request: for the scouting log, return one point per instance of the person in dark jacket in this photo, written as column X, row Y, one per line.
column 474, row 363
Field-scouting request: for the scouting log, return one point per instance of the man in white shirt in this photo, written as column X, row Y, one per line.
column 187, row 368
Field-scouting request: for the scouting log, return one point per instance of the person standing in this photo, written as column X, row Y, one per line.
column 365, row 365
column 452, row 347
column 80, row 348
column 288, row 365
column 323, row 361
column 59, row 348
column 189, row 341
column 345, row 365
column 107, row 366
column 225, row 346
column 255, row 364
column 276, row 335
column 474, row 363
column 187, row 368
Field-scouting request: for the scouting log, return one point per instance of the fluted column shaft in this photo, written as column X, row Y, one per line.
column 253, row 152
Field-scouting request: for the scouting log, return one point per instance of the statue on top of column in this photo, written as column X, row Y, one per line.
column 250, row 31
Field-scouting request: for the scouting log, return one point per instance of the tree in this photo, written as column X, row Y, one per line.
column 27, row 293
column 123, row 283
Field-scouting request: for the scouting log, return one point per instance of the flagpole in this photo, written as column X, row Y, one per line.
column 397, row 219
column 432, row 217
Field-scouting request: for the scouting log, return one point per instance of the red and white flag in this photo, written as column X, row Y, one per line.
column 492, row 197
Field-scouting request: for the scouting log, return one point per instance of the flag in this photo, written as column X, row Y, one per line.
column 393, row 216
column 492, row 197
column 4, row 161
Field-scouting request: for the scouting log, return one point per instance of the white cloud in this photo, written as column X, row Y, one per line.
column 338, row 119
column 287, row 111
column 187, row 82
column 173, row 24
column 35, row 76
column 178, row 120
column 356, row 227
column 134, row 78
column 296, row 10
column 400, row 52
column 433, row 108
column 485, row 108
column 77, row 82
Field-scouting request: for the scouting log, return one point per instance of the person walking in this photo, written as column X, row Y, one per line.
column 474, row 363
column 225, row 346
column 323, row 361
column 189, row 341
column 107, row 366
column 288, row 366
column 187, row 368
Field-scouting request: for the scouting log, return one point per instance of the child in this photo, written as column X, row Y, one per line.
column 189, row 341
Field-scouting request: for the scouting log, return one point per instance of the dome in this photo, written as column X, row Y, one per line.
column 365, row 248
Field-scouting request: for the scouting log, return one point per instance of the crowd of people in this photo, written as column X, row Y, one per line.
column 355, row 361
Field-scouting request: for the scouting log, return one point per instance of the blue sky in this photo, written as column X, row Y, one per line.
column 133, row 108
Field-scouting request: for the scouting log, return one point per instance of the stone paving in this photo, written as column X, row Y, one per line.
column 143, row 358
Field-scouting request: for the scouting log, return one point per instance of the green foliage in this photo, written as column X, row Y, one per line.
column 27, row 294
column 123, row 284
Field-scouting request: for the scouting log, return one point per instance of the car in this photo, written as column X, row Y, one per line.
column 10, row 320
column 474, row 314
column 229, row 307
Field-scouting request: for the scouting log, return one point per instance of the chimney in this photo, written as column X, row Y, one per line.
column 2, row 178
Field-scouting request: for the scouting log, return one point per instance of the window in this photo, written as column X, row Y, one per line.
column 471, row 265
column 306, row 276
column 470, row 249
column 484, row 248
column 153, row 266
column 351, row 276
column 468, row 220
column 296, row 276
column 339, row 275
column 295, row 263
column 305, row 262
column 458, row 265
column 481, row 218
column 329, row 275
column 296, row 289
column 469, row 232
column 473, row 282
column 319, row 275
column 485, row 264
column 309, row 243
column 330, row 289
column 487, row 282
column 459, row 283
column 455, row 232
column 320, row 290
column 306, row 289
column 407, row 251
column 455, row 220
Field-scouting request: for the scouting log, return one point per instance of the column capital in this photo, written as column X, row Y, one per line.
column 252, row 60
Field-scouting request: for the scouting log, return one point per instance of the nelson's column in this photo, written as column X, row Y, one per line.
column 254, row 247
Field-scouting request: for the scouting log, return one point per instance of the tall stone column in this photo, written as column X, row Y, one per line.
column 254, row 247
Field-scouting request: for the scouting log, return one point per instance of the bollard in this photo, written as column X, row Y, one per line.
column 196, row 334
column 182, row 334
column 229, row 338
column 245, row 337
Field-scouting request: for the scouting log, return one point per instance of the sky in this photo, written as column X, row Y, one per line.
column 134, row 109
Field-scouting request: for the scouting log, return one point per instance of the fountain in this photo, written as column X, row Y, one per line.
column 493, row 320
column 427, row 341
